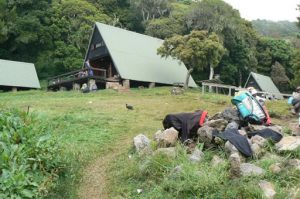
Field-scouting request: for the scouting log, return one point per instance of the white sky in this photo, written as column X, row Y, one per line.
column 275, row 10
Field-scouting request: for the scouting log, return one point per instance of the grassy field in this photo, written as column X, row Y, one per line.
column 96, row 132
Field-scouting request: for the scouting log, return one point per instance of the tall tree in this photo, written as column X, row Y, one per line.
column 280, row 78
column 199, row 49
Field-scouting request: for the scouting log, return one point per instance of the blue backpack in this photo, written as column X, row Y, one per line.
column 249, row 108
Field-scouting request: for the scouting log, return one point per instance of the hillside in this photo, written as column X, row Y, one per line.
column 280, row 29
column 96, row 132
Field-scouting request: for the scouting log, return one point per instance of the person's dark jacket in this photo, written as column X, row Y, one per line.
column 185, row 123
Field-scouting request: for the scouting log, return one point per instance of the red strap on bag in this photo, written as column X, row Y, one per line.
column 202, row 118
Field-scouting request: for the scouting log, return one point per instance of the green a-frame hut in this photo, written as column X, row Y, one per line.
column 17, row 76
column 126, row 55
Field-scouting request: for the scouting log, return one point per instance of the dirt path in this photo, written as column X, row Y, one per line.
column 95, row 180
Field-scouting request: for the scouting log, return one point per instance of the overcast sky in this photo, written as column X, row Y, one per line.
column 275, row 10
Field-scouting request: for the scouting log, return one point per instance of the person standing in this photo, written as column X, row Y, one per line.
column 88, row 66
column 295, row 101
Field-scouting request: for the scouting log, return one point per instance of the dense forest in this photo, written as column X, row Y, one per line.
column 54, row 34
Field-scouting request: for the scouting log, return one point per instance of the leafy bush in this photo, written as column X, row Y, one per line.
column 29, row 158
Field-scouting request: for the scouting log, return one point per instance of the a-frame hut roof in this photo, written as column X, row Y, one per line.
column 18, row 74
column 265, row 83
column 135, row 57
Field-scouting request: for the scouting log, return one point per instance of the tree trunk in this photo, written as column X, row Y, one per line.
column 187, row 79
column 212, row 72
column 211, row 75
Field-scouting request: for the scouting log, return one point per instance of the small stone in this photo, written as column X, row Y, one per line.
column 196, row 156
column 235, row 163
column 218, row 124
column 216, row 160
column 142, row 143
column 243, row 132
column 275, row 168
column 260, row 141
column 169, row 152
column 250, row 169
column 139, row 191
column 157, row 135
column 267, row 188
column 168, row 138
column 256, row 150
column 205, row 135
column 230, row 148
column 230, row 114
column 289, row 143
column 294, row 163
column 232, row 125
column 177, row 169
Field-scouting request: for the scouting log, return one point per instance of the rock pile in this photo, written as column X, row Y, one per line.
column 166, row 141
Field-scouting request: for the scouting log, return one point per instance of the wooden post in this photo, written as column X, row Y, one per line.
column 229, row 93
column 203, row 88
column 217, row 90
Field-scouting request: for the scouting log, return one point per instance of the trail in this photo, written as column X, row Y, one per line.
column 95, row 182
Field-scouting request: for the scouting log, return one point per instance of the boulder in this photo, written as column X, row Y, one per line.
column 289, row 143
column 232, row 125
column 230, row 148
column 218, row 124
column 295, row 129
column 230, row 114
column 157, row 135
column 168, row 138
column 216, row 160
column 250, row 169
column 142, row 144
column 294, row 163
column 275, row 168
column 260, row 127
column 267, row 188
column 260, row 141
column 196, row 156
column 169, row 152
column 243, row 132
column 235, row 163
column 205, row 135
column 257, row 150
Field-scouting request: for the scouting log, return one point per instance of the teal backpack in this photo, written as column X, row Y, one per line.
column 249, row 108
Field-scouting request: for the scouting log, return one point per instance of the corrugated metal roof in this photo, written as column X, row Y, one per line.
column 135, row 57
column 265, row 83
column 18, row 74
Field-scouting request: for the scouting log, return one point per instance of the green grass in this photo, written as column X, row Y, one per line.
column 95, row 124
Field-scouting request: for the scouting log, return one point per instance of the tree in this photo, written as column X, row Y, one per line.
column 296, row 68
column 199, row 49
column 279, row 77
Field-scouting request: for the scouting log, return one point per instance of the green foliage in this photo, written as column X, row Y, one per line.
column 296, row 68
column 29, row 159
column 279, row 77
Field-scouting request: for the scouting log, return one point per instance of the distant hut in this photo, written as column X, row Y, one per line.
column 17, row 76
column 263, row 83
column 122, row 58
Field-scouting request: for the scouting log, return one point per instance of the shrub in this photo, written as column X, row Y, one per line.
column 29, row 156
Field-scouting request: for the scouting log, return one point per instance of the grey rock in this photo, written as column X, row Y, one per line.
column 257, row 150
column 230, row 148
column 294, row 163
column 177, row 169
column 275, row 168
column 170, row 152
column 260, row 127
column 196, row 156
column 216, row 116
column 243, row 132
column 250, row 169
column 295, row 129
column 141, row 143
column 205, row 135
column 289, row 143
column 267, row 188
column 157, row 135
column 218, row 124
column 216, row 160
column 168, row 138
column 232, row 125
column 235, row 163
column 230, row 114
column 260, row 141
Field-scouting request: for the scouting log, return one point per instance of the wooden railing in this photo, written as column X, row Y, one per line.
column 234, row 88
column 91, row 73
